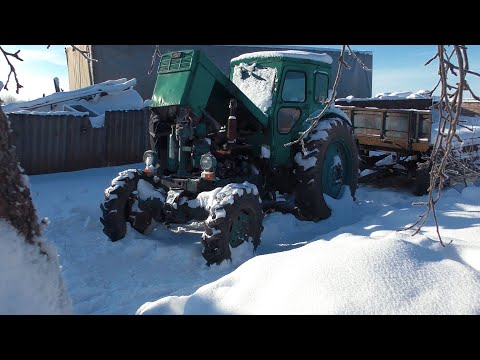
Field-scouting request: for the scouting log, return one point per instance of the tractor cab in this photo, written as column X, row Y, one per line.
column 287, row 86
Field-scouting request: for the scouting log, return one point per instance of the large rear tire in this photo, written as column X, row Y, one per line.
column 330, row 162
column 235, row 216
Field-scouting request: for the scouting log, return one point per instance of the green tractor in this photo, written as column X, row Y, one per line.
column 218, row 149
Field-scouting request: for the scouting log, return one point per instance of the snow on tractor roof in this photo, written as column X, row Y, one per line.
column 297, row 54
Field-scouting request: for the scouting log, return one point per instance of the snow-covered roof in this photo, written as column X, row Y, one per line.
column 90, row 101
column 297, row 54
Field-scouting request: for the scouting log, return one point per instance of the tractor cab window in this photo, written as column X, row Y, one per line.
column 294, row 87
column 321, row 87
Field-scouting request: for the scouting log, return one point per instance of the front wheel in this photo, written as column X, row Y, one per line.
column 235, row 216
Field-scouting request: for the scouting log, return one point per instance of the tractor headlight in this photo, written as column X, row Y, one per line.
column 208, row 162
column 151, row 162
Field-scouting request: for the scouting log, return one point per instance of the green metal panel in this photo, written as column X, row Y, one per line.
column 170, row 89
column 187, row 78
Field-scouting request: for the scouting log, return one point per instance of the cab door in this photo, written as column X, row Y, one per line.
column 292, row 107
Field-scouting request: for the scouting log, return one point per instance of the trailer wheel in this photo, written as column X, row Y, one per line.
column 115, row 207
column 331, row 161
column 234, row 217
column 421, row 182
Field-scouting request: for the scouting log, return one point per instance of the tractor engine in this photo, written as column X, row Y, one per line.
column 187, row 146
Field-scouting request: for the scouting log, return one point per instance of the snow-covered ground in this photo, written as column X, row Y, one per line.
column 355, row 262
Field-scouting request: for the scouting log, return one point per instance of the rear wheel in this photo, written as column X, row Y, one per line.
column 421, row 183
column 234, row 217
column 330, row 162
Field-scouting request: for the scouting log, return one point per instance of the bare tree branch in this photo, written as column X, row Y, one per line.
column 84, row 53
column 352, row 53
column 447, row 163
column 13, row 71
column 156, row 53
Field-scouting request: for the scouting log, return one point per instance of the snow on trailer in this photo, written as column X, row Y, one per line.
column 396, row 130
column 92, row 101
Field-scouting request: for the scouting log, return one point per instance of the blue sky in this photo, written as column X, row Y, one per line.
column 395, row 68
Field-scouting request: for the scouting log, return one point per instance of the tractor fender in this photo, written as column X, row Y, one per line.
column 332, row 111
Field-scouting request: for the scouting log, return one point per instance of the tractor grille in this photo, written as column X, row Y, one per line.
column 176, row 61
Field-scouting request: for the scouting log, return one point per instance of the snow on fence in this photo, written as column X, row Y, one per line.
column 47, row 144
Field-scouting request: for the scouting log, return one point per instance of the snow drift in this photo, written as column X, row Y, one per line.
column 366, row 268
column 29, row 282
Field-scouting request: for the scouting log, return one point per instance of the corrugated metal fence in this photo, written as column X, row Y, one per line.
column 47, row 144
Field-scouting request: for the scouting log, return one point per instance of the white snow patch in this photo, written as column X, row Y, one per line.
column 367, row 172
column 331, row 110
column 265, row 152
column 395, row 95
column 388, row 160
column 147, row 191
column 221, row 196
column 306, row 163
column 468, row 133
column 306, row 55
column 29, row 282
column 256, row 83
column 51, row 113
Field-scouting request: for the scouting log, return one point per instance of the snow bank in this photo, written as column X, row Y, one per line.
column 298, row 54
column 93, row 101
column 256, row 83
column 29, row 284
column 366, row 268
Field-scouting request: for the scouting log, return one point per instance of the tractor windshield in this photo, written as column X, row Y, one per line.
column 256, row 82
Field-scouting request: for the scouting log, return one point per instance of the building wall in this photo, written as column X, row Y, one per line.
column 128, row 61
column 80, row 73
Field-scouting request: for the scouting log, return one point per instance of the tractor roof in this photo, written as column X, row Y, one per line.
column 287, row 54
